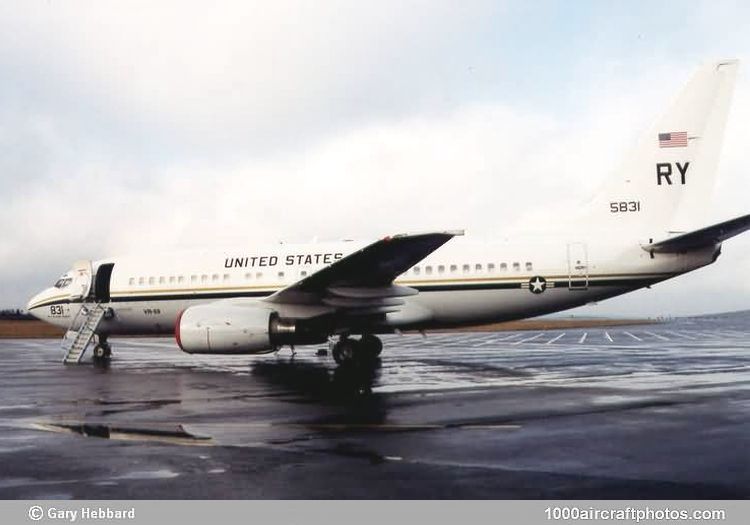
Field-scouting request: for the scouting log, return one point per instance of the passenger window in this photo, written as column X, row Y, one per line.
column 131, row 281
column 467, row 268
column 517, row 267
column 193, row 278
column 181, row 279
column 248, row 276
column 454, row 268
column 478, row 267
column 162, row 279
column 441, row 269
column 281, row 275
column 258, row 275
column 215, row 277
column 428, row 270
column 416, row 270
column 226, row 277
column 171, row 279
column 204, row 278
column 529, row 266
column 303, row 273
column 491, row 267
column 151, row 280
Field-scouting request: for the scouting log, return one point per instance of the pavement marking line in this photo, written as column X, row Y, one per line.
column 496, row 340
column 482, row 338
column 583, row 338
column 734, row 333
column 680, row 334
column 609, row 337
column 528, row 339
column 511, row 336
column 555, row 339
column 657, row 336
column 633, row 336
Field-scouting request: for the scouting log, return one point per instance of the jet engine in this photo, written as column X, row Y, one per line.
column 232, row 329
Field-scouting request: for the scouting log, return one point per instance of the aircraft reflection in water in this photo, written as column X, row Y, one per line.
column 318, row 382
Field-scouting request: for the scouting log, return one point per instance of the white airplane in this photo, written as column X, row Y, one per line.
column 642, row 228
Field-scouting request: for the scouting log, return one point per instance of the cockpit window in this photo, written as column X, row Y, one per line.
column 62, row 282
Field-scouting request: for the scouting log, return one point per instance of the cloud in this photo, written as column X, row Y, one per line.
column 243, row 74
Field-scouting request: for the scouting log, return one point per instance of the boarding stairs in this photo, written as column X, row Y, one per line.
column 82, row 330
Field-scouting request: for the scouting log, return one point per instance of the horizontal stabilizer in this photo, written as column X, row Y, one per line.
column 705, row 237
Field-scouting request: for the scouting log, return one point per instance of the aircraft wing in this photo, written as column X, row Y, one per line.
column 709, row 236
column 362, row 282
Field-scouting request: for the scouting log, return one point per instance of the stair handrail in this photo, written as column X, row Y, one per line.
column 95, row 304
column 94, row 313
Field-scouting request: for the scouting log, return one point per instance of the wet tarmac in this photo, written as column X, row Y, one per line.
column 654, row 411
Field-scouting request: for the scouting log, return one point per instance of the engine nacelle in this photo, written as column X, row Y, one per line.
column 229, row 329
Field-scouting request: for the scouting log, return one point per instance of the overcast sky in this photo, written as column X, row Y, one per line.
column 131, row 126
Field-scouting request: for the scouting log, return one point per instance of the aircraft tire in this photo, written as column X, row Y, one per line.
column 344, row 351
column 371, row 344
column 102, row 351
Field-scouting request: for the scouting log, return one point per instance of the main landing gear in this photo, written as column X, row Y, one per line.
column 365, row 349
column 102, row 351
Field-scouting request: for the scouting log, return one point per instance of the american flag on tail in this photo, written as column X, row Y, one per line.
column 674, row 139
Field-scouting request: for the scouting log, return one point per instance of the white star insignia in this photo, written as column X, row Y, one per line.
column 537, row 285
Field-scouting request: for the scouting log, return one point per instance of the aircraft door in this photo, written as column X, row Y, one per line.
column 101, row 282
column 82, row 276
column 578, row 266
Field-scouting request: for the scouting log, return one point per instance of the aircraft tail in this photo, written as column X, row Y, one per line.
column 665, row 184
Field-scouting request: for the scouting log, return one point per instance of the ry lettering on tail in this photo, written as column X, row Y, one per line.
column 664, row 172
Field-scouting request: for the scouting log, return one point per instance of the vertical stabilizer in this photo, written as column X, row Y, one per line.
column 666, row 182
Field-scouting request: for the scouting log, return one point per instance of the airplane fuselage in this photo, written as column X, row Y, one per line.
column 462, row 283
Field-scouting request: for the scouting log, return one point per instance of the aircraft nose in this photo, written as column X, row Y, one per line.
column 33, row 305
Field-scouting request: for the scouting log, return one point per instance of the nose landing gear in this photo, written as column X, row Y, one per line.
column 102, row 351
column 347, row 351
